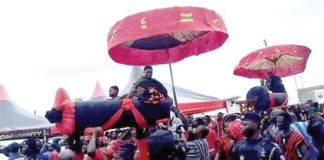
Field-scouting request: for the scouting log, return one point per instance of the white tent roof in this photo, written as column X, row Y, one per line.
column 183, row 95
column 13, row 117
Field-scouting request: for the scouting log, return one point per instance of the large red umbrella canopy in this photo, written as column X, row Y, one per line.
column 282, row 60
column 165, row 35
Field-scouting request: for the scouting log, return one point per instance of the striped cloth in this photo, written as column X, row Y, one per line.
column 292, row 144
column 198, row 150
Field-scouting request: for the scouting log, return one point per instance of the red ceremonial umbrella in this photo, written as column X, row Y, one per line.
column 282, row 60
column 165, row 36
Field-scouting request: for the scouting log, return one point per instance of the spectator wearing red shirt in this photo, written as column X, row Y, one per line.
column 219, row 125
column 141, row 141
column 212, row 140
column 91, row 145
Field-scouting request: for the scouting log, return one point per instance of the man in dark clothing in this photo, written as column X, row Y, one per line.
column 271, row 128
column 315, row 129
column 219, row 125
column 147, row 89
column 254, row 146
column 147, row 74
column 15, row 154
column 275, row 83
column 113, row 92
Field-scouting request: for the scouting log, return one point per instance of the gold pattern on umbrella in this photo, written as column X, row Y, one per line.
column 274, row 61
column 143, row 23
column 186, row 17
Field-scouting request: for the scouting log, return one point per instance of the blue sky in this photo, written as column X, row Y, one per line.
column 49, row 44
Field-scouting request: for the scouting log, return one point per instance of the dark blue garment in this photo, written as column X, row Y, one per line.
column 276, row 85
column 161, row 145
column 16, row 155
column 253, row 149
column 46, row 155
column 262, row 97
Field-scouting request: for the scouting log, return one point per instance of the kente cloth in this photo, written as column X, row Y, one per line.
column 278, row 100
column 126, row 149
column 151, row 91
column 197, row 150
column 291, row 145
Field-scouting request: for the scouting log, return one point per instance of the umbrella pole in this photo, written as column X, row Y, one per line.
column 265, row 43
column 172, row 81
column 296, row 83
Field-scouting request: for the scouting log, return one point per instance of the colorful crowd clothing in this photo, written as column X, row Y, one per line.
column 290, row 144
column 212, row 141
column 198, row 150
column 219, row 128
column 224, row 147
column 227, row 141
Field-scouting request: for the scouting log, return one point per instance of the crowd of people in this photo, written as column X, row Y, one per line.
column 292, row 132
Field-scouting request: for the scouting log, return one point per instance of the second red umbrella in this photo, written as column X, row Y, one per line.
column 282, row 60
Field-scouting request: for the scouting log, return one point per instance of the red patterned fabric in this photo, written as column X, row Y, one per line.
column 273, row 103
column 283, row 60
column 156, row 96
column 67, row 107
column 290, row 148
column 166, row 22
column 127, row 105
